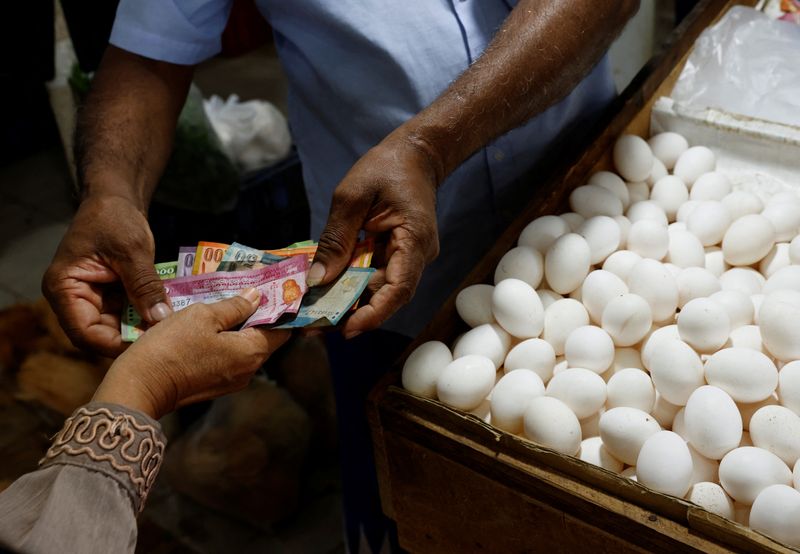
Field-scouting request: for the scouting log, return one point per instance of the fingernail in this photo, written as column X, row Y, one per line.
column 351, row 334
column 160, row 311
column 315, row 274
column 252, row 295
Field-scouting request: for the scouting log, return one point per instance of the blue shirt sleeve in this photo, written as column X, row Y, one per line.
column 183, row 32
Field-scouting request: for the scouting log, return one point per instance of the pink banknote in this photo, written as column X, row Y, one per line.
column 282, row 287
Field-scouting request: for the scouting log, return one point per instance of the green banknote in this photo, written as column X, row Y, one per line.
column 132, row 327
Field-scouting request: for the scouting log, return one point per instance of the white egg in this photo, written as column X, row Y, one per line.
column 693, row 162
column 483, row 411
column 657, row 172
column 646, row 209
column 560, row 319
column 655, row 337
column 591, row 200
column 785, row 218
column 613, row 183
column 711, row 186
column 465, row 382
column 594, row 452
column 777, row 429
column 747, row 410
column 695, row 282
column 567, row 263
column 534, row 354
column 746, row 336
column 603, row 236
column 779, row 318
column 740, row 203
column 542, row 232
column 621, row 262
column 796, row 475
column 676, row 370
column 704, row 325
column 652, row 281
column 649, row 239
column 590, row 426
column 589, row 347
column 794, row 250
column 582, row 390
column 711, row 497
column 511, row 397
column 667, row 147
column 785, row 278
column 784, row 197
column 708, row 222
column 573, row 220
column 549, row 422
column 637, row 192
column 715, row 261
column 745, row 374
column 629, row 473
column 703, row 469
column 633, row 158
column 489, row 340
column 685, row 249
column 474, row 305
column 789, row 386
column 670, row 193
column 744, row 279
column 738, row 306
column 679, row 423
column 624, row 431
column 746, row 471
column 547, row 297
column 517, row 308
column 664, row 411
column 757, row 300
column 423, row 366
column 777, row 258
column 685, row 211
column 713, row 423
column 624, row 229
column 627, row 318
column 523, row 263
column 748, row 239
column 631, row 388
column 676, row 226
column 664, row 464
column 623, row 359
column 775, row 512
column 598, row 289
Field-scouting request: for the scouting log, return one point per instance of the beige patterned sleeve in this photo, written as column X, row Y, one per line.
column 125, row 445
column 92, row 483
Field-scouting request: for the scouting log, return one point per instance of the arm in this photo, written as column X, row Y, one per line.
column 123, row 141
column 540, row 53
column 95, row 477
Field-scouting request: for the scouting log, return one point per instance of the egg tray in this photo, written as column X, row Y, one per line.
column 453, row 483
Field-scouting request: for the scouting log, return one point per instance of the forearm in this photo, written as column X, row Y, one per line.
column 124, row 132
column 541, row 52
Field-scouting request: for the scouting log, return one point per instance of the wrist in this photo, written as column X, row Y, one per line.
column 105, row 188
column 423, row 148
column 126, row 390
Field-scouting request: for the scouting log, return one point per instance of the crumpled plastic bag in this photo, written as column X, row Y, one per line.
column 745, row 64
column 254, row 134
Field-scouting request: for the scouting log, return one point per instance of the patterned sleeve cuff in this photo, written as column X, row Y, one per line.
column 121, row 443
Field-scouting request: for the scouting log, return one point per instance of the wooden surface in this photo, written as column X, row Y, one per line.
column 454, row 484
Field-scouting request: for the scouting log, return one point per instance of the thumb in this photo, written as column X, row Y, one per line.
column 236, row 309
column 338, row 239
column 145, row 289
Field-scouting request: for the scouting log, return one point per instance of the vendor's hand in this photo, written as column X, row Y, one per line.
column 109, row 242
column 191, row 356
column 390, row 190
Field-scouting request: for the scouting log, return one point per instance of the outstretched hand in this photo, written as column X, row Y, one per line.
column 191, row 356
column 108, row 251
column 390, row 192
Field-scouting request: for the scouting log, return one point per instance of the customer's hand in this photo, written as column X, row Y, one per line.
column 108, row 244
column 391, row 191
column 191, row 356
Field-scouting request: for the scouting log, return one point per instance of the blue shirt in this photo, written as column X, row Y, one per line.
column 357, row 69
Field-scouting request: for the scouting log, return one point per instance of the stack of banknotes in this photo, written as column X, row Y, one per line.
column 211, row 271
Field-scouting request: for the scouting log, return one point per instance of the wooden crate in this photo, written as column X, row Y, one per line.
column 452, row 483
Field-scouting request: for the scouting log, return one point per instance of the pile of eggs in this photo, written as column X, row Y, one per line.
column 653, row 331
